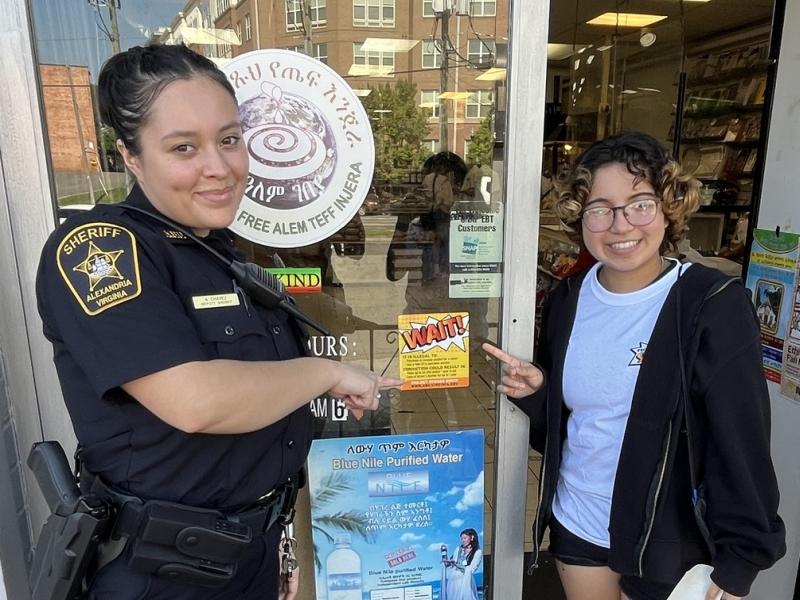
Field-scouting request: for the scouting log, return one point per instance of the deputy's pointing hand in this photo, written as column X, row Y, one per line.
column 360, row 388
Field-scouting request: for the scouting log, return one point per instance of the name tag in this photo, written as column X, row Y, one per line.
column 215, row 301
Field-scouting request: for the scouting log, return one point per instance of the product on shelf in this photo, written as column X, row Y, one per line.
column 719, row 136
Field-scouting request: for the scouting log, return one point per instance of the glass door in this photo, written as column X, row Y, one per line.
column 420, row 246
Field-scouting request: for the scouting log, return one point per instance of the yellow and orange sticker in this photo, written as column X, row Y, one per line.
column 434, row 350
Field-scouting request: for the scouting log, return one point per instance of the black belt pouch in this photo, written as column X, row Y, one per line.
column 190, row 545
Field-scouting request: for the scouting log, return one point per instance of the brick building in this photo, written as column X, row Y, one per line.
column 403, row 42
column 67, row 95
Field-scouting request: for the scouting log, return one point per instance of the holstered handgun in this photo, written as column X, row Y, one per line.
column 68, row 541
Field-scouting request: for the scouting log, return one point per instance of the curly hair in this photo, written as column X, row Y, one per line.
column 646, row 160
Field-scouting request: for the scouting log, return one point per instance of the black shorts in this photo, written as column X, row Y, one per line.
column 573, row 550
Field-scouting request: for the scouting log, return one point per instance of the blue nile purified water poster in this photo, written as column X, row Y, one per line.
column 398, row 517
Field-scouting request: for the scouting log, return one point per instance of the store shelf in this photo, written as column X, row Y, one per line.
column 724, row 208
column 546, row 272
column 728, row 111
column 716, row 140
column 759, row 68
column 719, row 137
column 555, row 232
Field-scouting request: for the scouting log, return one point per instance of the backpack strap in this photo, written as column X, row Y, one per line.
column 698, row 487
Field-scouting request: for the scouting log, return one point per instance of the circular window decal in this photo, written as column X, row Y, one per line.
column 311, row 148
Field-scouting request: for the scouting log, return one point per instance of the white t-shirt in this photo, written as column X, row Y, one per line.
column 606, row 348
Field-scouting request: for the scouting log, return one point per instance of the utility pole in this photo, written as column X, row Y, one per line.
column 114, row 33
column 257, row 44
column 81, row 139
column 444, row 42
column 308, row 43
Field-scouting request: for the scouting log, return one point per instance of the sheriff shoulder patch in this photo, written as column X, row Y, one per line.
column 99, row 263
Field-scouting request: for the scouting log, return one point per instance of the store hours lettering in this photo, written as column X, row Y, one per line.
column 330, row 347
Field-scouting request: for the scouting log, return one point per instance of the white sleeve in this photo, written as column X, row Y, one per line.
column 475, row 564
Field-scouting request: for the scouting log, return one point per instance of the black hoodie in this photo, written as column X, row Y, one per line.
column 653, row 531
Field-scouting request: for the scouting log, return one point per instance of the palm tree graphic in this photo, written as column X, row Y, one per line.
column 329, row 489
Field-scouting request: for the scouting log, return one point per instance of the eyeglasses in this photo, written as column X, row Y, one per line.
column 638, row 213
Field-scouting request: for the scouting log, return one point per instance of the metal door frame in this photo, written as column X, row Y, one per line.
column 30, row 397
column 527, row 75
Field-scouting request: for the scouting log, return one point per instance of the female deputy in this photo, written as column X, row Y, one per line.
column 182, row 390
column 620, row 343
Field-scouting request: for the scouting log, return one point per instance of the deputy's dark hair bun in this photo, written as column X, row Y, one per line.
column 131, row 81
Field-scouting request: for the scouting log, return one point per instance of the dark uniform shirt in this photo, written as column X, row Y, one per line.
column 123, row 296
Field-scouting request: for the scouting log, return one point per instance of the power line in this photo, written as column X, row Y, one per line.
column 101, row 24
column 477, row 35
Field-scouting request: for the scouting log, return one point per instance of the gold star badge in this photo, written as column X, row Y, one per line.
column 99, row 265
column 97, row 277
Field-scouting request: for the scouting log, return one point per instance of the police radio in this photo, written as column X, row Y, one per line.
column 257, row 282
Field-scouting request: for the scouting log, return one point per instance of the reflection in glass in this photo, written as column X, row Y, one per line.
column 421, row 84
column 428, row 236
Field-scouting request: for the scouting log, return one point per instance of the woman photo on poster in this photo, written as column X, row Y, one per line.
column 458, row 571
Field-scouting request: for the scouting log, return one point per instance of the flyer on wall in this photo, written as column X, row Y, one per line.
column 770, row 280
column 476, row 251
column 398, row 517
column 434, row 350
column 790, row 380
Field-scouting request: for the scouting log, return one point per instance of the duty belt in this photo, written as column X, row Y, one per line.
column 188, row 544
column 257, row 517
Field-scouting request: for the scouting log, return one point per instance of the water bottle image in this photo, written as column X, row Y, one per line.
column 344, row 571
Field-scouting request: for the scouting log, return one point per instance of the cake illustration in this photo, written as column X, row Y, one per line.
column 292, row 149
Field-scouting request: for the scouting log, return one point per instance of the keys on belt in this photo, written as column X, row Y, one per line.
column 288, row 560
column 278, row 505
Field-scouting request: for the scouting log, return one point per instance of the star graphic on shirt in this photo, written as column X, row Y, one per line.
column 99, row 265
column 638, row 354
